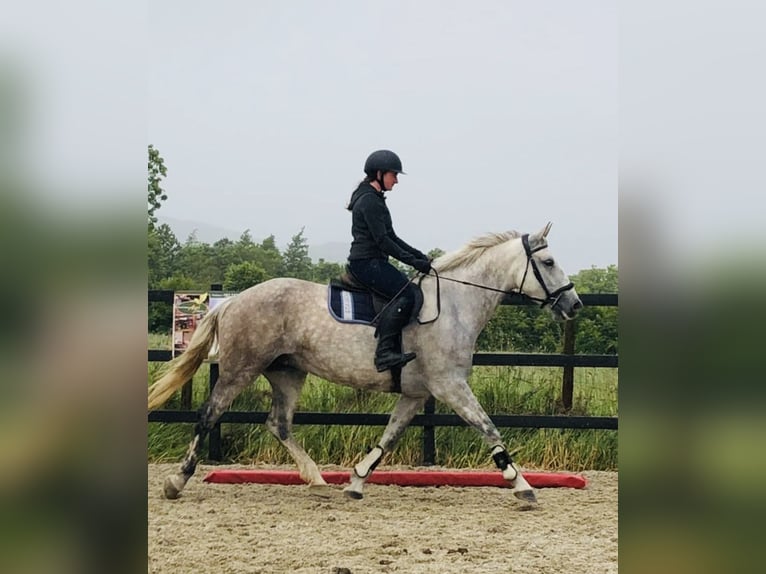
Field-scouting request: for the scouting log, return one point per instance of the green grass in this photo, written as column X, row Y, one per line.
column 500, row 390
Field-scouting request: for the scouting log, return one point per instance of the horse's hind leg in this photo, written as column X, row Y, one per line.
column 286, row 384
column 227, row 388
column 404, row 411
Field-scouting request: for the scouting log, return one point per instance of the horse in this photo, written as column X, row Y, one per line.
column 282, row 328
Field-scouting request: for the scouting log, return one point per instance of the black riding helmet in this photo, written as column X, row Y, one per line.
column 382, row 160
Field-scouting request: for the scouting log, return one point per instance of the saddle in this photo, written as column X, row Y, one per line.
column 349, row 301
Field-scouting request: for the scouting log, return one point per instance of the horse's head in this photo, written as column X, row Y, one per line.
column 544, row 281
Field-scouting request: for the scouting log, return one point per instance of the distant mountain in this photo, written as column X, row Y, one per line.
column 332, row 252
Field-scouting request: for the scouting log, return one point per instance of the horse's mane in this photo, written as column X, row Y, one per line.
column 473, row 250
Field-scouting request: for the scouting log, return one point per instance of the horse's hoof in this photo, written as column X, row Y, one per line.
column 321, row 490
column 353, row 494
column 525, row 495
column 171, row 488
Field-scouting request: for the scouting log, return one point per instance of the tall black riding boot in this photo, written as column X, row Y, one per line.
column 388, row 354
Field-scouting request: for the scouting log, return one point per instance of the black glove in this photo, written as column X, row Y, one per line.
column 422, row 265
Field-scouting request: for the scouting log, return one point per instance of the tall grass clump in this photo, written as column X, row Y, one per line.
column 537, row 391
column 500, row 390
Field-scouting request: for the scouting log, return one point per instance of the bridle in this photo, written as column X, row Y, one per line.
column 551, row 297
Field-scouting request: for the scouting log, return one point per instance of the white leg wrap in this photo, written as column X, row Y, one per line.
column 510, row 473
column 519, row 486
column 361, row 471
column 363, row 468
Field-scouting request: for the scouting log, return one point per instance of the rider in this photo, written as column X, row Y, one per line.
column 373, row 241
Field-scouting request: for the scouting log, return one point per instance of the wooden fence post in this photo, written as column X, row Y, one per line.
column 214, row 440
column 186, row 396
column 567, row 385
column 429, row 439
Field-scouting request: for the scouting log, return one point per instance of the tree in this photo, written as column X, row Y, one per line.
column 435, row 253
column 325, row 270
column 295, row 260
column 530, row 329
column 198, row 261
column 595, row 280
column 157, row 171
column 240, row 276
column 597, row 326
column 163, row 248
column 245, row 245
column 270, row 244
column 269, row 257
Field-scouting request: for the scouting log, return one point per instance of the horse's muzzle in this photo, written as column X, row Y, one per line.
column 566, row 306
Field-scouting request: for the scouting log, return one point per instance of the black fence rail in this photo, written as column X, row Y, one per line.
column 429, row 420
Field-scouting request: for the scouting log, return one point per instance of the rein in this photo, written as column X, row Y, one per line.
column 551, row 298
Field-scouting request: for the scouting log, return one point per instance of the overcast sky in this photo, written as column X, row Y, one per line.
column 504, row 114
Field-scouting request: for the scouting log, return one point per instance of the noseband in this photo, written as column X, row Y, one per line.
column 551, row 297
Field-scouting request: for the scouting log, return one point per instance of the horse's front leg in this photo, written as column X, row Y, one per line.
column 406, row 408
column 458, row 395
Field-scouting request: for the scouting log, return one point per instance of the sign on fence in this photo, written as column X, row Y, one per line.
column 188, row 311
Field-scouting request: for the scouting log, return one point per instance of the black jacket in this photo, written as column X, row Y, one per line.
column 373, row 231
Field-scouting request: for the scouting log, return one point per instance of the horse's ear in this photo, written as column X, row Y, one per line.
column 546, row 229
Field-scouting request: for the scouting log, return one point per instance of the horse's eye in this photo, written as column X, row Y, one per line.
column 548, row 262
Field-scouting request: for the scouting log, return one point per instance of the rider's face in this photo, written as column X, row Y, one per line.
column 390, row 179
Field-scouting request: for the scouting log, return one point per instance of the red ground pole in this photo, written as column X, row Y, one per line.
column 401, row 478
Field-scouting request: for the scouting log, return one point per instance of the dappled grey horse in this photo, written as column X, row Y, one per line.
column 282, row 329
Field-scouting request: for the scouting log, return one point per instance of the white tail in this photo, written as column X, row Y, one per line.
column 181, row 369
